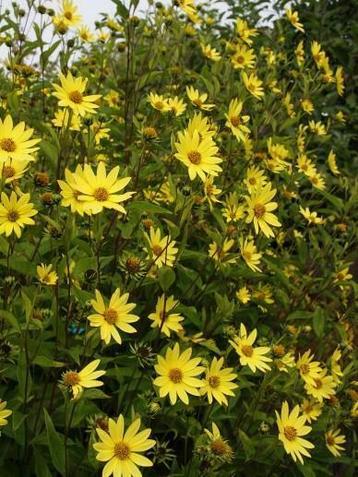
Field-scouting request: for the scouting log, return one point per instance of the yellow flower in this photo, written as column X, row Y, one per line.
column 233, row 211
column 15, row 213
column 300, row 53
column 86, row 378
column 317, row 127
column 291, row 428
column 62, row 117
column 116, row 316
column 210, row 53
column 71, row 95
column 161, row 250
column 253, row 84
column 334, row 441
column 122, row 450
column 311, row 409
column 158, row 102
column 250, row 254
column 305, row 165
column 332, row 163
column 199, row 100
column 46, row 274
column 99, row 132
column 317, row 53
column 176, row 106
column 85, row 34
column 70, row 193
column 217, row 382
column 100, row 191
column 335, row 366
column 163, row 319
column 295, row 21
column 317, row 180
column 311, row 217
column 69, row 13
column 219, row 447
column 202, row 125
column 250, row 356
column 243, row 57
column 4, row 413
column 112, row 98
column 187, row 6
column 235, row 121
column 259, row 208
column 340, row 80
column 307, row 105
column 322, row 386
column 177, row 375
column 198, row 154
column 343, row 275
column 245, row 33
column 15, row 142
column 13, row 169
column 211, row 191
column 278, row 154
column 309, row 369
column 263, row 293
column 220, row 253
column 255, row 178
column 243, row 295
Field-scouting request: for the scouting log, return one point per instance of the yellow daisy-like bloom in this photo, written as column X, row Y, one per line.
column 343, row 275
column 243, row 57
column 294, row 20
column 263, row 293
column 300, row 53
column 332, row 163
column 235, row 121
column 334, row 441
column 70, row 193
column 62, row 117
column 317, row 180
column 311, row 409
column 210, row 53
column 255, row 178
column 250, row 254
column 46, row 275
column 122, row 450
column 291, row 428
column 177, row 375
column 233, row 211
column 244, row 31
column 198, row 154
column 249, row 356
column 311, row 217
column 211, row 191
column 187, row 6
column 317, row 53
column 217, row 382
column 336, row 369
column 199, row 100
column 69, row 13
column 4, row 413
column 259, row 209
column 86, row 378
column 322, row 387
column 309, row 369
column 158, row 102
column 219, row 446
column 163, row 319
column 278, row 154
column 116, row 316
column 13, row 169
column 161, row 250
column 253, row 85
column 15, row 142
column 99, row 132
column 202, row 125
column 85, row 34
column 219, row 253
column 176, row 106
column 305, row 165
column 317, row 127
column 243, row 295
column 15, row 213
column 71, row 95
column 307, row 105
column 100, row 191
column 340, row 80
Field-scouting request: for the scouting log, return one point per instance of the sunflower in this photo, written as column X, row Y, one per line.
column 116, row 316
column 291, row 427
column 235, row 121
column 217, row 382
column 340, row 80
column 250, row 254
column 15, row 142
column 122, row 450
column 69, row 13
column 233, row 211
column 46, row 275
column 176, row 106
column 334, row 441
column 294, row 20
column 198, row 154
column 311, row 409
column 243, row 57
column 85, row 34
column 161, row 250
column 253, row 84
column 322, row 387
column 86, row 378
column 15, row 213
column 336, row 369
column 220, row 253
column 71, row 95
column 177, row 375
column 255, row 178
column 210, row 53
column 311, row 217
column 63, row 118
column 244, row 31
column 13, row 169
column 332, row 163
column 309, row 369
column 250, row 356
column 202, row 125
column 259, row 208
column 243, row 294
column 70, row 193
column 158, row 102
column 218, row 446
column 198, row 100
column 163, row 319
column 4, row 413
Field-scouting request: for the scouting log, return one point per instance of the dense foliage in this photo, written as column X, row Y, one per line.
column 178, row 241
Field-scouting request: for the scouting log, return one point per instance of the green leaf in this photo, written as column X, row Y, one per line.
column 56, row 445
column 166, row 278
column 10, row 318
column 41, row 468
column 144, row 206
column 247, row 444
column 46, row 362
column 318, row 322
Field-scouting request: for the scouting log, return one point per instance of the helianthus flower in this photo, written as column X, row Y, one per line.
column 163, row 319
column 100, row 191
column 177, row 375
column 255, row 178
column 253, row 84
column 198, row 154
column 116, row 316
column 122, row 450
column 294, row 20
column 219, row 253
column 202, row 125
column 278, row 154
column 15, row 213
column 235, row 121
column 176, row 106
column 263, row 293
column 307, row 105
column 210, row 53
column 187, row 6
column 243, row 57
column 243, row 295
column 85, row 34
column 311, row 217
column 250, row 254
column 46, row 275
column 219, row 447
column 317, row 127
column 86, row 378
column 311, row 409
column 233, row 211
column 158, row 102
column 334, row 441
column 300, row 53
column 244, row 31
column 15, row 142
column 322, row 387
column 336, row 369
column 340, row 80
column 217, row 382
column 317, row 180
column 71, row 95
column 332, row 163
column 69, row 13
column 63, row 116
column 4, row 413
column 13, row 169
column 291, row 427
column 161, row 250
column 259, row 208
column 250, row 356
column 305, row 165
column 343, row 275
column 309, row 369
column 199, row 100
column 70, row 193
column 211, row 191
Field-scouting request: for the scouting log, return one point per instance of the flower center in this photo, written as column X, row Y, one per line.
column 240, row 59
column 194, row 157
column 8, row 145
column 13, row 215
column 247, row 350
column 121, row 451
column 259, row 210
column 235, row 121
column 159, row 105
column 110, row 316
column 290, row 433
column 133, row 264
column 247, row 255
column 8, row 171
column 101, row 194
column 304, row 368
column 163, row 315
column 71, row 378
column 157, row 250
column 214, row 381
column 68, row 15
column 219, row 447
column 198, row 103
column 252, row 180
column 330, row 440
column 176, row 375
column 76, row 97
column 318, row 383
